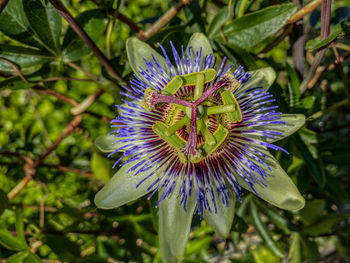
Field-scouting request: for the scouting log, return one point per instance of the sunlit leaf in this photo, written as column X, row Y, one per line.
column 252, row 28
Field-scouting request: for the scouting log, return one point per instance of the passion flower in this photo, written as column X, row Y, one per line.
column 196, row 134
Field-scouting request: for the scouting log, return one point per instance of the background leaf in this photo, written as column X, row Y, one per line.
column 45, row 21
column 252, row 28
column 93, row 22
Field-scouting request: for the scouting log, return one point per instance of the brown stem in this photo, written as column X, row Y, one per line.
column 164, row 19
column 3, row 4
column 29, row 171
column 304, row 11
column 56, row 94
column 69, row 100
column 15, row 68
column 339, row 63
column 85, row 37
column 130, row 23
column 68, row 130
column 86, row 103
column 59, row 167
column 68, row 169
column 278, row 40
column 298, row 44
column 78, row 68
column 64, row 78
column 325, row 25
column 23, row 157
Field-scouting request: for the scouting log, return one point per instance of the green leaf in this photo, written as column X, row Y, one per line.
column 277, row 219
column 18, row 258
column 20, row 226
column 101, row 167
column 263, row 255
column 163, row 34
column 239, row 225
column 137, row 51
column 263, row 232
column 241, row 213
column 295, row 86
column 14, row 23
column 32, row 258
column 65, row 249
column 308, row 102
column 323, row 226
column 94, row 23
column 309, row 249
column 218, row 21
column 4, row 201
column 24, row 257
column 45, row 21
column 251, row 29
column 194, row 247
column 295, row 254
column 312, row 211
column 9, row 241
column 338, row 31
column 174, row 225
column 280, row 190
column 15, row 83
column 311, row 163
column 22, row 57
column 122, row 189
column 221, row 221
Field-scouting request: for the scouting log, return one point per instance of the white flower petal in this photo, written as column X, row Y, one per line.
column 106, row 143
column 221, row 222
column 280, row 190
column 293, row 123
column 199, row 41
column 121, row 189
column 137, row 51
column 174, row 226
column 263, row 78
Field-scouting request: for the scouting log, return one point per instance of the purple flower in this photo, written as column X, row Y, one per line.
column 196, row 132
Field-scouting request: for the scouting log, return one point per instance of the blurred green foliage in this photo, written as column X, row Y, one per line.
column 54, row 219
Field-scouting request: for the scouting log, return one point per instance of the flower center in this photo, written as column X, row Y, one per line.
column 195, row 112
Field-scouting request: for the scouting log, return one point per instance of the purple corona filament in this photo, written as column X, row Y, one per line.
column 196, row 125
